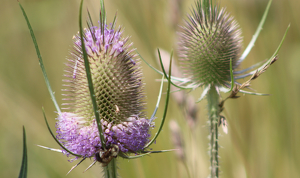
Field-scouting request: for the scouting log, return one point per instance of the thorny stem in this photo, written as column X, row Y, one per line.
column 214, row 114
column 110, row 171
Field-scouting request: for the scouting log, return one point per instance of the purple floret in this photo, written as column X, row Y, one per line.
column 93, row 40
column 82, row 137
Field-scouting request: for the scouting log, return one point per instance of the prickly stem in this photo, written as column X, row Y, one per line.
column 214, row 114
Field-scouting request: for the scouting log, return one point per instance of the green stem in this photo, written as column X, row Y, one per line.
column 110, row 171
column 214, row 111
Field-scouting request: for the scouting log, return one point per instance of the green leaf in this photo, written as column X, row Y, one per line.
column 280, row 44
column 156, row 70
column 258, row 30
column 164, row 72
column 158, row 99
column 89, row 77
column 268, row 62
column 57, row 141
column 166, row 104
column 173, row 79
column 102, row 13
column 102, row 18
column 144, row 153
column 133, row 157
column 41, row 61
column 24, row 165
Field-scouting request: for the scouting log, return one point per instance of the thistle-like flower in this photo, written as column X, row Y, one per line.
column 104, row 115
column 210, row 50
column 118, row 87
column 208, row 41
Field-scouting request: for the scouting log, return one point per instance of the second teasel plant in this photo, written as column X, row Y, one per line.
column 210, row 54
column 104, row 106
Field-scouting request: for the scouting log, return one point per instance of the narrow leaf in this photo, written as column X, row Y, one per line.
column 89, row 77
column 57, row 141
column 158, row 99
column 163, row 69
column 40, row 61
column 258, row 30
column 280, row 44
column 269, row 61
column 144, row 154
column 166, row 104
column 24, row 165
column 177, row 79
column 102, row 10
column 248, row 68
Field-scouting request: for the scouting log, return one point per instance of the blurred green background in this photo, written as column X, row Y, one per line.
column 264, row 135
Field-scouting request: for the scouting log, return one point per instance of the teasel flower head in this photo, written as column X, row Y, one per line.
column 208, row 41
column 104, row 102
column 210, row 53
column 119, row 93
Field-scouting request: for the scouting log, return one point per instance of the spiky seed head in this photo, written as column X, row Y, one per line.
column 119, row 92
column 115, row 73
column 209, row 39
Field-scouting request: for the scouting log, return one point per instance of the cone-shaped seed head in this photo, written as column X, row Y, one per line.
column 119, row 95
column 208, row 41
column 116, row 77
